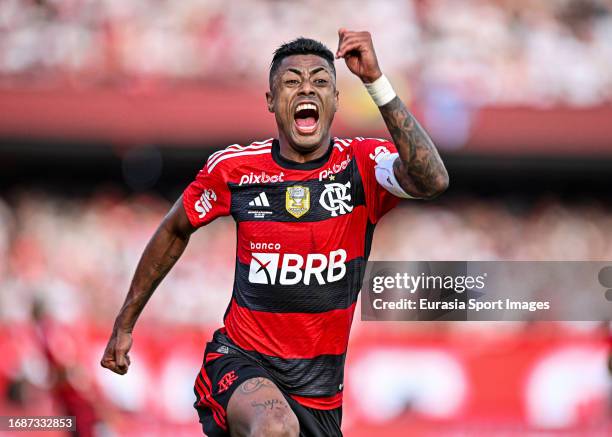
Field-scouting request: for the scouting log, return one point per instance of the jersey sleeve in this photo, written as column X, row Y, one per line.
column 375, row 159
column 207, row 197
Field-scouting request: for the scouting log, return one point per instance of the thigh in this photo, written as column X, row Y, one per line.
column 257, row 407
column 220, row 375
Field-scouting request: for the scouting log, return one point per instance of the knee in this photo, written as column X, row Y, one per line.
column 277, row 425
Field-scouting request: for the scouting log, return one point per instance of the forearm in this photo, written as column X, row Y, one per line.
column 163, row 250
column 420, row 170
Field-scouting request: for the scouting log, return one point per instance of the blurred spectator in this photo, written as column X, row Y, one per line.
column 488, row 52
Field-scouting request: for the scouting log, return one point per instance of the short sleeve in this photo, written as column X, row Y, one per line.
column 207, row 197
column 375, row 159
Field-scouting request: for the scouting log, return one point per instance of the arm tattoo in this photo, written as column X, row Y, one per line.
column 419, row 170
column 254, row 384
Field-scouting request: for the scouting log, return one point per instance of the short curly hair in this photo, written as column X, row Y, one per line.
column 301, row 46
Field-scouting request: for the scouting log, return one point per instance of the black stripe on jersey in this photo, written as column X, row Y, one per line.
column 369, row 235
column 299, row 298
column 276, row 194
column 320, row 376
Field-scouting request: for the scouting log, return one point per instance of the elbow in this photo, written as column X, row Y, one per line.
column 438, row 186
column 176, row 229
column 442, row 182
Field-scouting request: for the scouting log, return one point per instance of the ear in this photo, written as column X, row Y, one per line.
column 270, row 101
column 337, row 99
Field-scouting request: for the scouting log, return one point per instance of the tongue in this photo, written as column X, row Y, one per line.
column 305, row 122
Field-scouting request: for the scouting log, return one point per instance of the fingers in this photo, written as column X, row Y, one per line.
column 351, row 46
column 350, row 40
column 122, row 362
column 110, row 363
column 119, row 365
column 107, row 361
column 116, row 358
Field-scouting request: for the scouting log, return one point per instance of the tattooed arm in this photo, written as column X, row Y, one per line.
column 419, row 169
column 163, row 250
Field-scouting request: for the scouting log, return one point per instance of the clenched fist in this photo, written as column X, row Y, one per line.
column 116, row 356
column 358, row 52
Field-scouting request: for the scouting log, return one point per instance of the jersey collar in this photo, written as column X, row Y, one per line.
column 309, row 165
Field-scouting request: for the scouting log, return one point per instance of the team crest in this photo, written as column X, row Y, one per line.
column 297, row 200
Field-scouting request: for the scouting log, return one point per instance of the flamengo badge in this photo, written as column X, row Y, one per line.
column 336, row 198
column 297, row 200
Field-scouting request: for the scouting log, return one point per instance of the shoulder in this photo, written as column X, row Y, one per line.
column 361, row 142
column 373, row 148
column 236, row 155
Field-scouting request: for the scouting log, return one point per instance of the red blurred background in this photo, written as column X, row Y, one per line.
column 109, row 108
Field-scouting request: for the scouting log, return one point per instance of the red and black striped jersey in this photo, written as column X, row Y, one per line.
column 304, row 232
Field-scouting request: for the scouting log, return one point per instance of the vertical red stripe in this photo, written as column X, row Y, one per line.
column 206, row 398
column 211, row 399
column 199, row 386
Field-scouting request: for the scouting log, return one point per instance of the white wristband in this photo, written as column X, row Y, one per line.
column 381, row 90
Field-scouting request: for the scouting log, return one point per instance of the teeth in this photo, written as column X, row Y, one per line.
column 303, row 106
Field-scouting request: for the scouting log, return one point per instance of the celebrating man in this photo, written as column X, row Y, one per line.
column 306, row 205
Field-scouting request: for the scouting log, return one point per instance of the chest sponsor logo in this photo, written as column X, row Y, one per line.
column 292, row 268
column 205, row 203
column 336, row 198
column 297, row 200
column 261, row 178
column 336, row 168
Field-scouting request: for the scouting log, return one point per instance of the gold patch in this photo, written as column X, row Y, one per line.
column 297, row 200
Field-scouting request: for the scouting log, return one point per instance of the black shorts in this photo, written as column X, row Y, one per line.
column 223, row 370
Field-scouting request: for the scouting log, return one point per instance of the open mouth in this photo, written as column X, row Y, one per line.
column 306, row 117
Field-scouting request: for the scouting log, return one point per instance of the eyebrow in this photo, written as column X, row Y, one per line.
column 313, row 71
column 316, row 70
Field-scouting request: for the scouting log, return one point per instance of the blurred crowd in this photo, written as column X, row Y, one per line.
column 480, row 52
column 66, row 263
column 41, row 233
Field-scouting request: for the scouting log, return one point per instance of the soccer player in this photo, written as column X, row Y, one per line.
column 305, row 205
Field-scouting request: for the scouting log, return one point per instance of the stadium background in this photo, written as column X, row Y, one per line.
column 109, row 108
